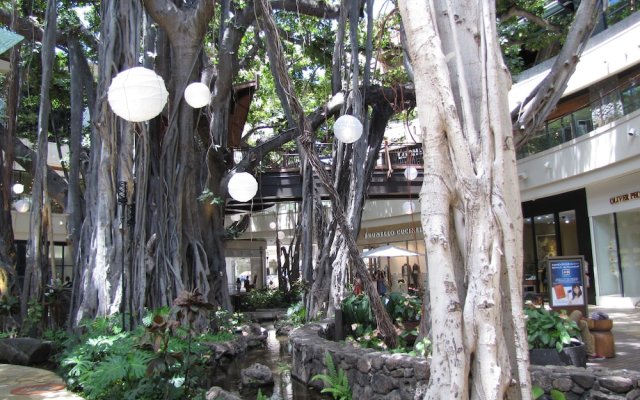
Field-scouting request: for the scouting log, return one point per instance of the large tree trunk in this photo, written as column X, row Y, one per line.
column 470, row 203
column 35, row 272
column 7, row 247
column 99, row 288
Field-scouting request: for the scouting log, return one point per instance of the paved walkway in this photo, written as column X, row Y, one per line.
column 626, row 334
column 18, row 382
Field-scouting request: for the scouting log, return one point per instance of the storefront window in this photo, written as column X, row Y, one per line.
column 629, row 247
column 606, row 255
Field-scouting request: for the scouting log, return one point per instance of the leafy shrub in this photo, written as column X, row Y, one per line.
column 403, row 307
column 336, row 381
column 297, row 314
column 357, row 313
column 549, row 329
column 161, row 359
column 269, row 298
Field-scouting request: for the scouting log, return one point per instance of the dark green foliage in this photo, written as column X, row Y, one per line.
column 268, row 298
column 161, row 359
column 335, row 381
column 549, row 329
column 403, row 307
column 356, row 309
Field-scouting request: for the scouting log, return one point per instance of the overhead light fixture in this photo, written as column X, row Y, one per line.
column 633, row 132
column 242, row 186
column 410, row 173
column 408, row 207
column 197, row 95
column 137, row 94
column 18, row 188
column 281, row 235
column 348, row 129
column 272, row 225
column 22, row 205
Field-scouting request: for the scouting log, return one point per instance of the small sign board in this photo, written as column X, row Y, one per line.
column 566, row 283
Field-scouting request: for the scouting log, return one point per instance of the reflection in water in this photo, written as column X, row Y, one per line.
column 277, row 356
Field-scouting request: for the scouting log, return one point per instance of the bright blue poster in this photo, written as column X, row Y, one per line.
column 567, row 283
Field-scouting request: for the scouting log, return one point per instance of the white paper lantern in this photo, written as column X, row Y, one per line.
column 242, row 186
column 18, row 188
column 137, row 94
column 348, row 129
column 408, row 207
column 197, row 95
column 410, row 173
column 22, row 206
column 281, row 235
column 272, row 225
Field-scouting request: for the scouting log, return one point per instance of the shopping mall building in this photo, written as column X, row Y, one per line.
column 579, row 183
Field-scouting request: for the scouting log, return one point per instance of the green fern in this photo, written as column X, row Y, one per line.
column 336, row 381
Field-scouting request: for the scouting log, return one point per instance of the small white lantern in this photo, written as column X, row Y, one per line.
column 18, row 188
column 197, row 95
column 410, row 173
column 272, row 225
column 22, row 206
column 408, row 207
column 242, row 186
column 280, row 235
column 348, row 129
column 137, row 94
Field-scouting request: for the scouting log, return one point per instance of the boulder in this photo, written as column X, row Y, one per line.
column 25, row 351
column 257, row 375
column 217, row 393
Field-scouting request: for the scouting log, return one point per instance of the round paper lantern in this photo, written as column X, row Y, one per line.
column 137, row 94
column 408, row 207
column 242, row 186
column 272, row 225
column 280, row 235
column 410, row 173
column 18, row 188
column 22, row 206
column 347, row 129
column 197, row 95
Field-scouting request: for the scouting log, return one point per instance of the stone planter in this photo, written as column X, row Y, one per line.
column 575, row 355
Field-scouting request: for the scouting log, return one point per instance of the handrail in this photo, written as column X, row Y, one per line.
column 401, row 155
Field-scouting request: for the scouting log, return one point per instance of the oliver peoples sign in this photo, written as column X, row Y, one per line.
column 625, row 197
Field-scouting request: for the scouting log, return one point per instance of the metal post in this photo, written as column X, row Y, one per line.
column 122, row 200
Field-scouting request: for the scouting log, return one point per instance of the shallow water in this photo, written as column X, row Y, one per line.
column 277, row 356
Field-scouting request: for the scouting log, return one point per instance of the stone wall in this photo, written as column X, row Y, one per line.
column 378, row 375
column 588, row 383
column 372, row 374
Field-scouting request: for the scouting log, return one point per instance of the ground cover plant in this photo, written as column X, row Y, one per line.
column 164, row 358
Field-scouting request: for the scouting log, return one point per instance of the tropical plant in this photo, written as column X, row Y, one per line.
column 403, row 307
column 554, row 394
column 335, row 380
column 297, row 313
column 547, row 329
column 356, row 309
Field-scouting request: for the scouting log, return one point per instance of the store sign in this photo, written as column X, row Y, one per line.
column 625, row 197
column 566, row 282
column 393, row 232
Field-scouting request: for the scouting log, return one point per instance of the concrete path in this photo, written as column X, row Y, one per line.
column 626, row 334
column 18, row 382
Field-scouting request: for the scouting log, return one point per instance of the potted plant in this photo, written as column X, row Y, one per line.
column 553, row 339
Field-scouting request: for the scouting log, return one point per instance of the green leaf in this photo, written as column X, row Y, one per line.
column 537, row 392
column 557, row 395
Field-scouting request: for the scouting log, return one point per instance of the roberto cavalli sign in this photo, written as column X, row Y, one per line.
column 566, row 282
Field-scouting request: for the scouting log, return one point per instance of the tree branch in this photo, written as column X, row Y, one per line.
column 515, row 11
column 24, row 156
column 531, row 114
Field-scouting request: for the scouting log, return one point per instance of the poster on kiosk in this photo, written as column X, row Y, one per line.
column 566, row 283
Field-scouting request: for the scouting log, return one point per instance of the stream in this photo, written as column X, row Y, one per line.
column 277, row 356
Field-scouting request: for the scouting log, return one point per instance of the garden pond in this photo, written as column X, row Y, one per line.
column 276, row 355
